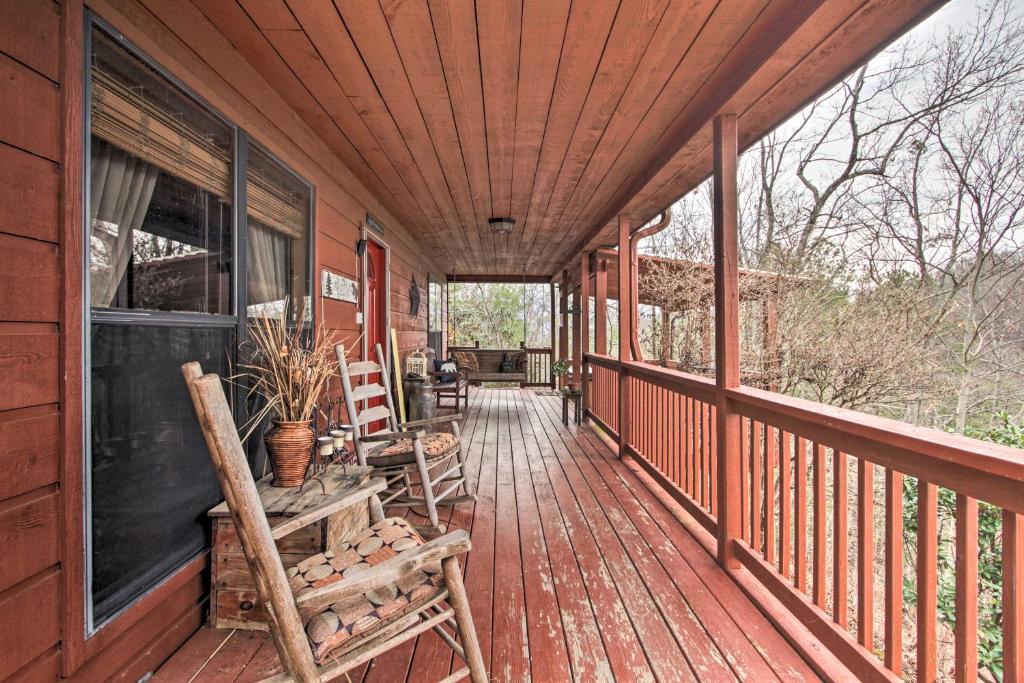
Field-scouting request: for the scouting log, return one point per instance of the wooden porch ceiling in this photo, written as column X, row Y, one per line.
column 558, row 114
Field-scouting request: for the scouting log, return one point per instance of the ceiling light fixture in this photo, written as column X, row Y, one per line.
column 502, row 226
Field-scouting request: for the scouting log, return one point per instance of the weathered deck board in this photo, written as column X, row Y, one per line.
column 578, row 572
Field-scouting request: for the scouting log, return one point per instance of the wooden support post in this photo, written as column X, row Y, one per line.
column 626, row 303
column 770, row 339
column 666, row 336
column 584, row 338
column 727, row 333
column 563, row 321
column 577, row 350
column 600, row 306
column 554, row 333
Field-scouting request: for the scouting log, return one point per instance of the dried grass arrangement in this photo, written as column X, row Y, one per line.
column 290, row 368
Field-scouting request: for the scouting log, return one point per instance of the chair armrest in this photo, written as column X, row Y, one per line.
column 389, row 571
column 432, row 420
column 334, row 502
column 392, row 437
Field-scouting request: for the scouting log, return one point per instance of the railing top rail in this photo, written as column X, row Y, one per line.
column 981, row 469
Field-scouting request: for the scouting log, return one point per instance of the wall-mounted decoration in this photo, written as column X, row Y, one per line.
column 374, row 224
column 339, row 287
column 414, row 297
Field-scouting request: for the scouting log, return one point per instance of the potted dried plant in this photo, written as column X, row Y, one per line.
column 290, row 370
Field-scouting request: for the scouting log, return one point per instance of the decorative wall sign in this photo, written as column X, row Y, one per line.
column 414, row 297
column 373, row 224
column 339, row 287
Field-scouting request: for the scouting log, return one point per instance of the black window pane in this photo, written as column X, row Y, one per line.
column 151, row 478
column 160, row 191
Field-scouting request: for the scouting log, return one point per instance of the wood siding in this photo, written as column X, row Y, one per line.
column 40, row 321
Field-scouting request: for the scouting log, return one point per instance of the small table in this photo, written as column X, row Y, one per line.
column 233, row 599
column 576, row 396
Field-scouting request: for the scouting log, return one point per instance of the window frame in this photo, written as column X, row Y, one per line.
column 237, row 320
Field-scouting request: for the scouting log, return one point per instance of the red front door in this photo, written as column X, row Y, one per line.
column 376, row 313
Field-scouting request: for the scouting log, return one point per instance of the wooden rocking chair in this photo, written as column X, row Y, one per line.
column 343, row 607
column 401, row 450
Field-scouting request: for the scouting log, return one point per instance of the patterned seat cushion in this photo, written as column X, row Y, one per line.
column 435, row 445
column 343, row 622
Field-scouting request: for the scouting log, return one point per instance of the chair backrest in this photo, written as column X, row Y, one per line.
column 361, row 418
column 239, row 487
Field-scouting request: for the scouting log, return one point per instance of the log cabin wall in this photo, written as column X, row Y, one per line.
column 41, row 168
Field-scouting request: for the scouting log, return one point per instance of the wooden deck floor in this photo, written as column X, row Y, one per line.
column 578, row 572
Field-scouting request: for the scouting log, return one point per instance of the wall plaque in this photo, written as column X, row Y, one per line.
column 339, row 287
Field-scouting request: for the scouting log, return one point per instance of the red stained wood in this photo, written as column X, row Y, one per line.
column 28, row 534
column 29, row 33
column 29, row 620
column 966, row 628
column 840, row 539
column 29, row 449
column 30, row 280
column 785, row 503
column 894, row 571
column 820, row 533
column 800, row 515
column 29, row 190
column 927, row 580
column 29, row 110
column 1013, row 597
column 865, row 554
column 28, row 364
column 612, row 584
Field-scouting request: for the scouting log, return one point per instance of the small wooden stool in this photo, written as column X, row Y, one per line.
column 576, row 396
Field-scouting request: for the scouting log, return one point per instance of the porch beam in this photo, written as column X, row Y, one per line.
column 600, row 306
column 759, row 43
column 577, row 350
column 507, row 279
column 727, row 342
column 627, row 300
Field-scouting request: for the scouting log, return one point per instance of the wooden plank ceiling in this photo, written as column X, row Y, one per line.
column 557, row 113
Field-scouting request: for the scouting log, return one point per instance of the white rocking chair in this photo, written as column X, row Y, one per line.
column 403, row 449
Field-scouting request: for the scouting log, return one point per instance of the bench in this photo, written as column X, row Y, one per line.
column 489, row 365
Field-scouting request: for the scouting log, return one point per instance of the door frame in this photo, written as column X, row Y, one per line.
column 370, row 236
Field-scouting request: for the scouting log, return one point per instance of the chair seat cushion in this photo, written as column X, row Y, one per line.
column 435, row 445
column 343, row 623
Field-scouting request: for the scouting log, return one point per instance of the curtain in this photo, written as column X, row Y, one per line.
column 121, row 187
column 267, row 269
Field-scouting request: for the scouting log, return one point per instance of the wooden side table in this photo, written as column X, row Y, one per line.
column 576, row 396
column 233, row 599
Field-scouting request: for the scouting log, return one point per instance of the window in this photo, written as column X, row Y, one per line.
column 435, row 316
column 277, row 235
column 164, row 287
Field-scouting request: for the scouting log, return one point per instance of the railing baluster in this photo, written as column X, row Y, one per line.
column 1013, row 597
column 927, row 580
column 966, row 628
column 756, row 477
column 771, row 444
column 800, row 515
column 818, row 569
column 744, row 478
column 894, row 571
column 840, row 539
column 785, row 504
column 713, row 456
column 865, row 554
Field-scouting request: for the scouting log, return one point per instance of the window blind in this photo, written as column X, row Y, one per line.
column 123, row 116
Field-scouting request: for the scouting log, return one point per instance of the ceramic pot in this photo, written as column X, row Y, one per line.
column 289, row 446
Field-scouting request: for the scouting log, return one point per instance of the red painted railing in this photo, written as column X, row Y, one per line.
column 822, row 493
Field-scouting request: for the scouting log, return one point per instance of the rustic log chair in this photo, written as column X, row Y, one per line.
column 339, row 609
column 403, row 449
